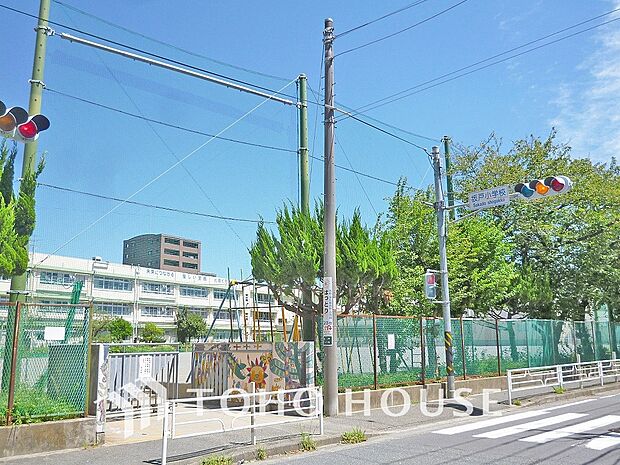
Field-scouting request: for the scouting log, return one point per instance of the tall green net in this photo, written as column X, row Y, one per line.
column 51, row 365
column 398, row 351
column 355, row 352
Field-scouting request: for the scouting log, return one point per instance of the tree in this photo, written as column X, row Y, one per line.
column 290, row 262
column 152, row 333
column 190, row 325
column 17, row 215
column 119, row 329
column 100, row 327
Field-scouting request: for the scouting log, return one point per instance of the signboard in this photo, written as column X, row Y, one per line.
column 145, row 366
column 391, row 342
column 328, row 311
column 489, row 198
column 54, row 333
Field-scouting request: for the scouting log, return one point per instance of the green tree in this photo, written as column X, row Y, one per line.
column 290, row 262
column 152, row 333
column 100, row 327
column 189, row 325
column 119, row 329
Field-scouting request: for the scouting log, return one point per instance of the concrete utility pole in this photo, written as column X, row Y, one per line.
column 330, row 345
column 304, row 182
column 440, row 208
column 449, row 186
column 18, row 283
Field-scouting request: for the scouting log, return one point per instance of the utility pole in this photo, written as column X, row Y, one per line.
column 330, row 345
column 440, row 208
column 18, row 283
column 449, row 186
column 304, row 182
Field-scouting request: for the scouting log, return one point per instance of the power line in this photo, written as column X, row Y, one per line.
column 151, row 54
column 172, row 46
column 357, row 177
column 170, row 125
column 157, row 207
column 455, row 74
column 387, row 15
column 380, row 39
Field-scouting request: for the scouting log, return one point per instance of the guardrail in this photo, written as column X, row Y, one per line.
column 260, row 409
column 522, row 379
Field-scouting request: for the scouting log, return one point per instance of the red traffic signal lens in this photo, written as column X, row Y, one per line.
column 28, row 130
column 554, row 183
column 430, row 279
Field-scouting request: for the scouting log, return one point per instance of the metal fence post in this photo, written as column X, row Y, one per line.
column 164, row 435
column 509, row 380
column 422, row 351
column 320, row 410
column 252, row 412
column 600, row 372
column 13, row 368
column 499, row 358
column 559, row 375
column 463, row 349
column 374, row 345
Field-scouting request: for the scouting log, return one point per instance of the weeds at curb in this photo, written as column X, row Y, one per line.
column 307, row 444
column 355, row 436
column 217, row 460
column 559, row 390
column 516, row 402
column 261, row 453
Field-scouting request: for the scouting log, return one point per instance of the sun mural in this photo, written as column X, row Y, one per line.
column 257, row 373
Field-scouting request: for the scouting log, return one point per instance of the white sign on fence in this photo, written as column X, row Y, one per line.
column 328, row 311
column 54, row 333
column 391, row 342
column 145, row 366
column 489, row 198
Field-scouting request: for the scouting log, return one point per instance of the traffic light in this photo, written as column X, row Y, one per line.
column 15, row 123
column 541, row 188
column 430, row 285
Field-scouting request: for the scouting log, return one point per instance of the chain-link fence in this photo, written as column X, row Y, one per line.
column 381, row 351
column 46, row 377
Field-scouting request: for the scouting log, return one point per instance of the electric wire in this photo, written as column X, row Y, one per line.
column 159, row 176
column 153, row 206
column 166, row 124
column 387, row 15
column 453, row 75
column 151, row 54
column 356, row 176
column 380, row 39
column 167, row 44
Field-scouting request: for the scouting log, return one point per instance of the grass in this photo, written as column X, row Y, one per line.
column 355, row 436
column 559, row 389
column 217, row 460
column 307, row 444
column 35, row 406
column 516, row 402
column 261, row 453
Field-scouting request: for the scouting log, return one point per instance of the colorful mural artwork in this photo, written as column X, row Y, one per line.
column 217, row 367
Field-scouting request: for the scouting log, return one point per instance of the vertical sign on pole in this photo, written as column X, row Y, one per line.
column 328, row 312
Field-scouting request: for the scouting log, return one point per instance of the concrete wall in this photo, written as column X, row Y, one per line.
column 395, row 398
column 46, row 437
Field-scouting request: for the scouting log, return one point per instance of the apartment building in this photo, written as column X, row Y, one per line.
column 164, row 252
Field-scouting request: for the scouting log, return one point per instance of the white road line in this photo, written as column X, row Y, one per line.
column 608, row 440
column 607, row 397
column 557, row 407
column 474, row 425
column 500, row 433
column 573, row 429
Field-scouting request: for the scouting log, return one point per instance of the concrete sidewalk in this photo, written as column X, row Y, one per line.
column 285, row 438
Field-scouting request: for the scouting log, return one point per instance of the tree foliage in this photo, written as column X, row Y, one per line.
column 119, row 329
column 152, row 333
column 189, row 325
column 17, row 214
column 290, row 261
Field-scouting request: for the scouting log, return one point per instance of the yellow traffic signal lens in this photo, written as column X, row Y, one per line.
column 7, row 122
column 541, row 188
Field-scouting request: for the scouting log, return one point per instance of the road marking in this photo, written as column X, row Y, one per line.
column 474, row 425
column 608, row 440
column 573, row 429
column 607, row 397
column 571, row 404
column 500, row 433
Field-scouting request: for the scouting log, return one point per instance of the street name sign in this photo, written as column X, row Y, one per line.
column 489, row 198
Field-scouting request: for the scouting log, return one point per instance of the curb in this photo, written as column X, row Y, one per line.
column 542, row 399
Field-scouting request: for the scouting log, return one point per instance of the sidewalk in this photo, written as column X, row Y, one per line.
column 283, row 438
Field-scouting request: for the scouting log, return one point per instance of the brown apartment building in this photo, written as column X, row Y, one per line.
column 163, row 252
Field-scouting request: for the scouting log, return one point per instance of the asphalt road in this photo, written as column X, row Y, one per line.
column 579, row 432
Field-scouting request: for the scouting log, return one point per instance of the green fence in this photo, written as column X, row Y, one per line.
column 47, row 377
column 379, row 351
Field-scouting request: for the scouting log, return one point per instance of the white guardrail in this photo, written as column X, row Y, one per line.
column 238, row 410
column 522, row 379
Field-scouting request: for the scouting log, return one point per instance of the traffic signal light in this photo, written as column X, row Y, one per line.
column 540, row 188
column 15, row 123
column 430, row 285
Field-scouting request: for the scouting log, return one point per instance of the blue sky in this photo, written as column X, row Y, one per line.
column 572, row 85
